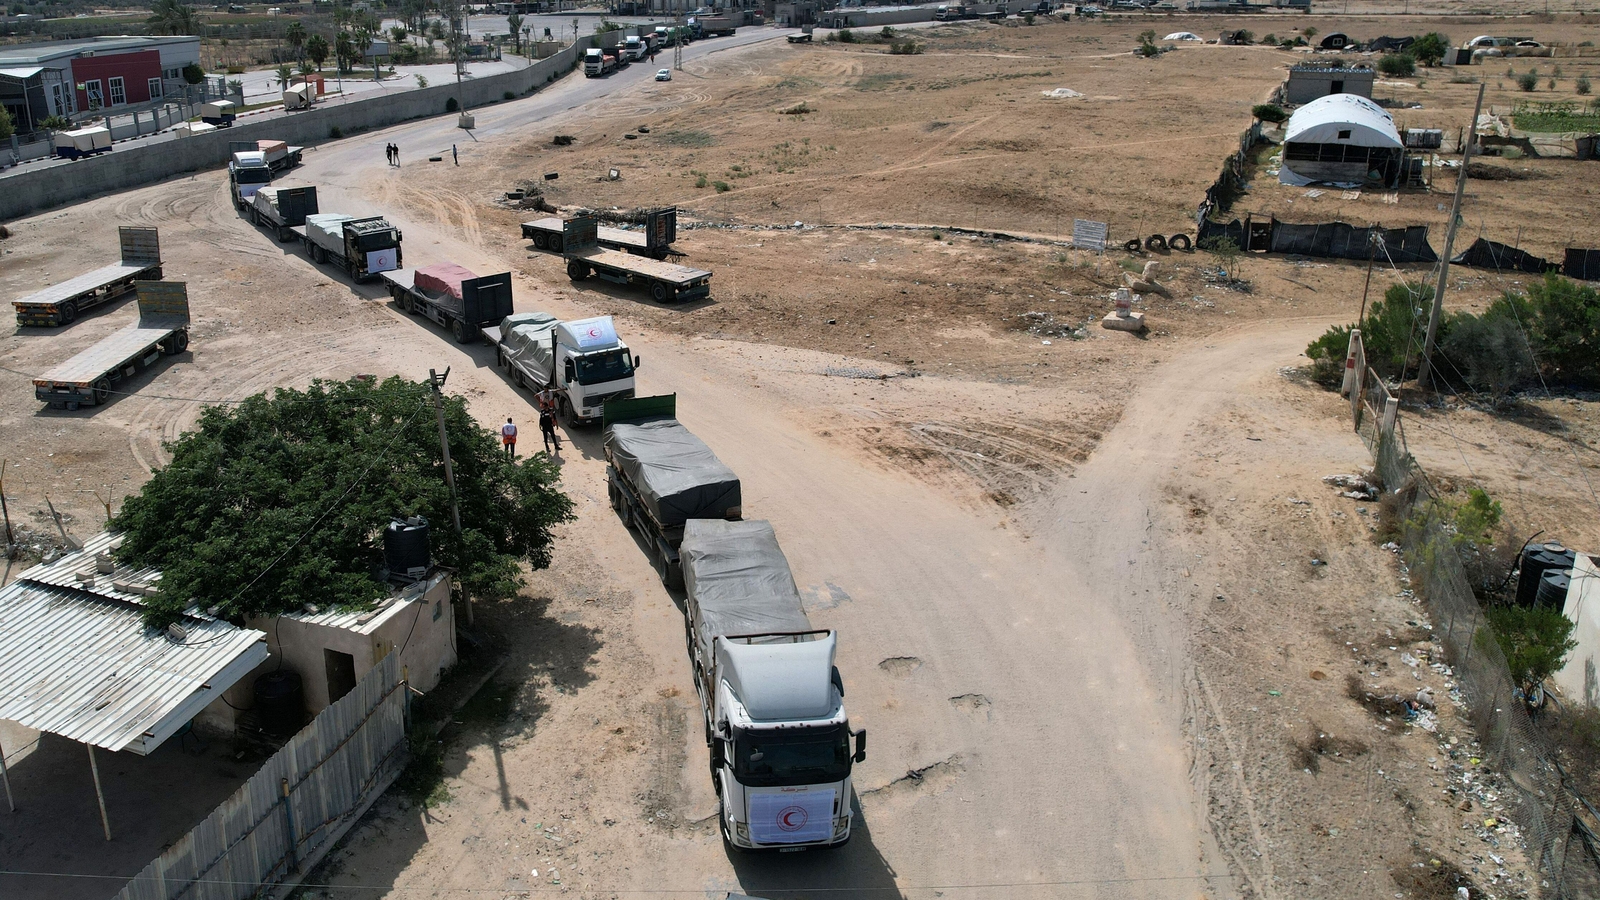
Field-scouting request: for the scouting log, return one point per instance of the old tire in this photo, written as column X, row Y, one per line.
column 176, row 344
column 1181, row 242
column 659, row 292
column 69, row 312
column 577, row 271
column 1155, row 242
column 1132, row 245
column 102, row 391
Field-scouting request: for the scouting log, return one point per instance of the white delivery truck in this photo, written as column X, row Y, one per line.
column 781, row 744
column 220, row 113
column 584, row 360
column 634, row 49
column 598, row 62
column 83, row 142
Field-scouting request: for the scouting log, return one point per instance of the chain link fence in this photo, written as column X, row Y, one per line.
column 1551, row 814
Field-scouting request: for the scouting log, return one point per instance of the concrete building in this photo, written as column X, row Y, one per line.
column 1313, row 82
column 1341, row 139
column 69, row 78
column 1579, row 680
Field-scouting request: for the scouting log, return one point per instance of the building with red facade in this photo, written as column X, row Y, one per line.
column 73, row 78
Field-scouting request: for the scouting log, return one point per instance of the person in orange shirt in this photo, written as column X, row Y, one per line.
column 508, row 437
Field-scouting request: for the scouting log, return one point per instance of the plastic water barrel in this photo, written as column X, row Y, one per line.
column 1553, row 589
column 1537, row 560
column 405, row 548
column 280, row 702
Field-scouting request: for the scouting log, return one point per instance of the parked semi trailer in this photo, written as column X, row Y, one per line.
column 775, row 721
column 282, row 208
column 659, row 476
column 362, row 247
column 584, row 360
column 666, row 281
column 452, row 296
column 61, row 303
column 655, row 241
column 253, row 164
column 162, row 330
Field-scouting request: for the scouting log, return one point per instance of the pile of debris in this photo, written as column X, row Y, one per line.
column 1355, row 487
column 529, row 195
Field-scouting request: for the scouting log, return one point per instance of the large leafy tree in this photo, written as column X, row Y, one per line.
column 281, row 501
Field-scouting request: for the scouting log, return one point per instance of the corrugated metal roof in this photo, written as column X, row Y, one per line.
column 85, row 667
column 79, row 570
column 366, row 621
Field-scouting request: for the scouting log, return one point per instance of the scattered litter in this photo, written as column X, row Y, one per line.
column 1314, row 193
column 1392, row 197
column 1317, row 562
column 1298, row 502
column 1062, row 94
column 1392, row 547
column 1350, row 195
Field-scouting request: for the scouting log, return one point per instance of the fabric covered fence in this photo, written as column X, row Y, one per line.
column 1329, row 240
column 1485, row 254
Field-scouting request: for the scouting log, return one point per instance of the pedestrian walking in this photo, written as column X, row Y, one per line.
column 396, row 155
column 453, row 158
column 388, row 154
column 508, row 437
column 547, row 427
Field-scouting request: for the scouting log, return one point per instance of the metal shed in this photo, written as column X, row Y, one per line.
column 1341, row 139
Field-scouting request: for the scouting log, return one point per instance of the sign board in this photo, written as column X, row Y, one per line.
column 381, row 261
column 163, row 304
column 793, row 815
column 1087, row 235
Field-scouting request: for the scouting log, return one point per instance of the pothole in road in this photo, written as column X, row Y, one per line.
column 972, row 704
column 900, row 666
column 932, row 778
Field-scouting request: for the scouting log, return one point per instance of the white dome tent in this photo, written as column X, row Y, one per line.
column 1182, row 36
column 1341, row 139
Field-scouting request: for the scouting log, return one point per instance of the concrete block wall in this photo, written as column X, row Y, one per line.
column 147, row 163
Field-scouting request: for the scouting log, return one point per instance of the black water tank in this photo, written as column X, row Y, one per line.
column 280, row 702
column 1553, row 589
column 1536, row 560
column 405, row 548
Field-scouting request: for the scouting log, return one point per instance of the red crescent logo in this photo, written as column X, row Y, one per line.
column 792, row 818
column 594, row 332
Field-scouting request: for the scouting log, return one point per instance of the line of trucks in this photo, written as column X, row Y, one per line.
column 781, row 746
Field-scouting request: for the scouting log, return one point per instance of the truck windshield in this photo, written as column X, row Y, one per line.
column 597, row 368
column 253, row 175
column 377, row 240
column 801, row 756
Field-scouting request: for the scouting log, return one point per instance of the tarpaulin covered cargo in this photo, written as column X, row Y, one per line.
column 527, row 339
column 676, row 474
column 326, row 230
column 1582, row 264
column 443, row 278
column 738, row 580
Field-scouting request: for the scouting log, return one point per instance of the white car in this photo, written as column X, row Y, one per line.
column 663, row 74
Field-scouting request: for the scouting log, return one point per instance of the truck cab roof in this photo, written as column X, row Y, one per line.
column 782, row 682
column 249, row 159
column 589, row 335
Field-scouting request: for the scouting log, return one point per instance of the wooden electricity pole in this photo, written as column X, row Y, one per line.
column 437, row 381
column 1424, row 369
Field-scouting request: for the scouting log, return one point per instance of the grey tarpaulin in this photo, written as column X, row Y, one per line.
column 528, row 338
column 1494, row 255
column 1582, row 264
column 1337, row 240
column 738, row 580
column 675, row 473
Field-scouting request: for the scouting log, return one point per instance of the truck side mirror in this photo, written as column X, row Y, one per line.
column 636, row 362
column 861, row 745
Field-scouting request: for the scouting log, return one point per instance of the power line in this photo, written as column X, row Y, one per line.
column 215, row 401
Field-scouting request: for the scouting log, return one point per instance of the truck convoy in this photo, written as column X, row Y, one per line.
column 584, row 360
column 61, row 303
column 282, row 208
column 660, row 231
column 452, row 296
column 667, row 282
column 712, row 25
column 252, row 164
column 599, row 62
column 659, row 476
column 162, row 330
column 362, row 247
column 773, row 700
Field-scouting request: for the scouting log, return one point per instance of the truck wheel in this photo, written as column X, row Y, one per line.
column 102, row 391
column 462, row 331
column 539, row 241
column 176, row 344
column 564, row 409
column 659, row 292
column 577, row 271
column 555, row 243
column 722, row 826
column 69, row 312
column 284, row 235
column 614, row 496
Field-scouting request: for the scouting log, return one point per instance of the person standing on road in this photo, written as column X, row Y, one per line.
column 546, row 399
column 396, row 155
column 453, row 157
column 547, row 427
column 508, row 436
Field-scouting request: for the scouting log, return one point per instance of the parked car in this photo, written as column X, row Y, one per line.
column 663, row 74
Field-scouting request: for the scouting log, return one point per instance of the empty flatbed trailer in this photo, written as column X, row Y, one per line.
column 162, row 330
column 60, row 304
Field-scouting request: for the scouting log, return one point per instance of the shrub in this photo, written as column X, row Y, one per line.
column 799, row 109
column 1270, row 39
column 451, row 105
column 905, row 48
column 1226, row 250
column 1269, row 112
column 1397, row 65
column 1488, row 352
column 193, row 74
column 1430, row 48
column 1534, row 639
column 422, row 81
column 335, row 132
column 844, row 36
column 1394, row 325
column 1566, row 330
column 721, row 186
column 700, row 182
column 1582, row 85
column 6, row 127
column 1528, row 81
column 1027, row 18
column 508, row 95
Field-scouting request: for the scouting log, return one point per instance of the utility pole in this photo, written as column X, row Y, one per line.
column 437, row 382
column 677, row 43
column 1423, row 370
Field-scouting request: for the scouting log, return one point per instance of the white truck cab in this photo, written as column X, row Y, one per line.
column 584, row 359
column 248, row 172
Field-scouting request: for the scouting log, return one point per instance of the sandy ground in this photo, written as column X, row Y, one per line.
column 1074, row 581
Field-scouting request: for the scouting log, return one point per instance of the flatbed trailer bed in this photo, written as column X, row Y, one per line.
column 668, row 282
column 483, row 301
column 60, row 304
column 162, row 330
column 654, row 240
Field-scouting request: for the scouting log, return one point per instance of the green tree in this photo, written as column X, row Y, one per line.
column 1269, row 112
column 317, row 50
column 280, row 502
column 1397, row 65
column 514, row 22
column 398, row 34
column 1582, row 85
column 172, row 17
column 295, row 34
column 1430, row 48
column 1391, row 335
column 1566, row 331
column 284, row 73
column 1534, row 639
column 344, row 52
column 193, row 74
column 1528, row 81
column 7, row 127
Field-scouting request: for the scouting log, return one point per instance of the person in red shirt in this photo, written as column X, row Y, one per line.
column 508, row 437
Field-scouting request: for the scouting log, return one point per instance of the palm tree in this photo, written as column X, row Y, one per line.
column 171, row 17
column 317, row 49
column 295, row 34
column 284, row 74
column 343, row 51
column 514, row 22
